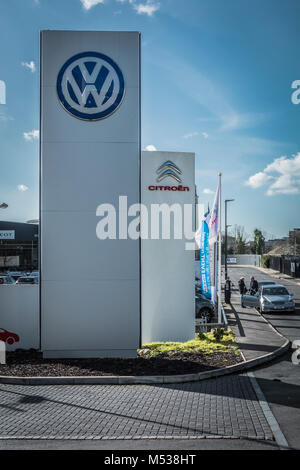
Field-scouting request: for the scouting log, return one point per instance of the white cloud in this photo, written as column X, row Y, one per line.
column 209, row 94
column 151, row 148
column 2, row 92
column 205, row 135
column 207, row 191
column 32, row 135
column 22, row 187
column 191, row 134
column 29, row 65
column 282, row 175
column 148, row 8
column 87, row 4
column 258, row 180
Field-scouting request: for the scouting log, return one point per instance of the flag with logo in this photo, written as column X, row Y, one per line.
column 214, row 219
column 202, row 240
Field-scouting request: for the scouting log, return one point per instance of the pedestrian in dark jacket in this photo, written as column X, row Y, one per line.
column 242, row 285
column 253, row 286
column 227, row 290
column 243, row 290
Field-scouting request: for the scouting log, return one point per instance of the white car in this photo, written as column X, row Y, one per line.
column 27, row 280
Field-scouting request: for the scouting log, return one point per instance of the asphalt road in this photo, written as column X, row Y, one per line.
column 280, row 381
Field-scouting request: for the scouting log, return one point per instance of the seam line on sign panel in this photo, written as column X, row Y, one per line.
column 273, row 423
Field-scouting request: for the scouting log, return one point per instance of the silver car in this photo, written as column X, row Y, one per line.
column 271, row 298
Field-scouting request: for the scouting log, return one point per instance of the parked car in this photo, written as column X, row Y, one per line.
column 34, row 273
column 265, row 283
column 271, row 298
column 15, row 274
column 198, row 290
column 6, row 279
column 8, row 337
column 204, row 307
column 27, row 280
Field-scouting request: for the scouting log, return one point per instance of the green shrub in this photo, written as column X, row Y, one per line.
column 218, row 333
column 206, row 343
column 265, row 261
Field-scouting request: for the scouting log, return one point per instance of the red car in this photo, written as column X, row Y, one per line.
column 8, row 337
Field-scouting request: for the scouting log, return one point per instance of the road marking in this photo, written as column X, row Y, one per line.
column 278, row 434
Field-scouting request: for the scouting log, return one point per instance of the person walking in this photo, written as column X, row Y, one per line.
column 227, row 290
column 243, row 290
column 253, row 286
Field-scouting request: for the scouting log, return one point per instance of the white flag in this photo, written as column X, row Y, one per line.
column 198, row 234
column 214, row 219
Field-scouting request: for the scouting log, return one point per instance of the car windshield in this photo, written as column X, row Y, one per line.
column 275, row 291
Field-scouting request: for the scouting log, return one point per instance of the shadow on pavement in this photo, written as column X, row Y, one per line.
column 238, row 321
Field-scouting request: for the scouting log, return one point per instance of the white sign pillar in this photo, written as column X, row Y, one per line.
column 168, row 273
column 90, row 155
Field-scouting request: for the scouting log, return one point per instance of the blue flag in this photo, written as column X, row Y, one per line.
column 204, row 261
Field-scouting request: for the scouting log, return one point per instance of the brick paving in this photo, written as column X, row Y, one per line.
column 222, row 407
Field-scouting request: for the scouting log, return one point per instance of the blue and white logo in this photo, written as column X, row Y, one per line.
column 90, row 86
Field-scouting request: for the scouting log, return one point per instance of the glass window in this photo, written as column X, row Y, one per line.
column 275, row 291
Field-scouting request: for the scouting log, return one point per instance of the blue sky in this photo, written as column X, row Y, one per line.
column 216, row 80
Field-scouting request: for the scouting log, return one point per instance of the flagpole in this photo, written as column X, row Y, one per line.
column 220, row 252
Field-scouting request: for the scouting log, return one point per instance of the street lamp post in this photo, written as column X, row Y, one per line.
column 226, row 226
column 3, row 205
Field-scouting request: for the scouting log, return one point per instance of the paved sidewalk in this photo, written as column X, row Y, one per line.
column 222, row 407
column 253, row 333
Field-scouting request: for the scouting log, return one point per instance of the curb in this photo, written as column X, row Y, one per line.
column 149, row 380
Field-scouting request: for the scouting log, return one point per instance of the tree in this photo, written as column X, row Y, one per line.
column 259, row 242
column 238, row 232
column 240, row 243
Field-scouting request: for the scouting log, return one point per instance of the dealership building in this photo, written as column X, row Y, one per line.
column 18, row 246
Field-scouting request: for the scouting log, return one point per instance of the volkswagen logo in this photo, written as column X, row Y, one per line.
column 90, row 86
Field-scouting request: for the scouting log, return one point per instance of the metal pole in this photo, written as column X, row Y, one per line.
column 220, row 252
column 226, row 227
column 225, row 251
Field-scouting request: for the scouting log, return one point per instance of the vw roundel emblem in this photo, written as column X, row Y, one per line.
column 90, row 86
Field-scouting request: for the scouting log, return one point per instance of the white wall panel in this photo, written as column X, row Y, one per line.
column 20, row 314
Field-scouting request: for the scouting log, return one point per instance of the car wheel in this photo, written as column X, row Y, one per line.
column 10, row 340
column 205, row 313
